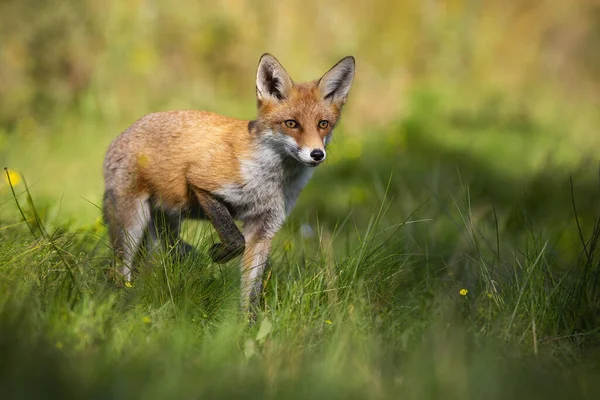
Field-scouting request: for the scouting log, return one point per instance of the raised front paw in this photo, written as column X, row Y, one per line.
column 221, row 253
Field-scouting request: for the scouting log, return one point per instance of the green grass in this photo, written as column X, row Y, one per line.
column 365, row 306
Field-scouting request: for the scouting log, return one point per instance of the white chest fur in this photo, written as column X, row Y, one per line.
column 272, row 182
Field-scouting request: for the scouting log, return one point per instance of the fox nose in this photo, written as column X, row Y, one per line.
column 317, row 154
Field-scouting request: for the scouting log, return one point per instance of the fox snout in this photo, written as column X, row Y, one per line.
column 312, row 156
column 312, row 153
column 317, row 155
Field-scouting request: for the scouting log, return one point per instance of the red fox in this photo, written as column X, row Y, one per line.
column 193, row 164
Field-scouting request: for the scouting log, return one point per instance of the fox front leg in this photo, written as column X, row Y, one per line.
column 232, row 241
column 259, row 234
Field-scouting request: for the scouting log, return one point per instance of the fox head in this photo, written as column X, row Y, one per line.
column 300, row 117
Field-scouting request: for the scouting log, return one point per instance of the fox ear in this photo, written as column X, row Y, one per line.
column 336, row 82
column 272, row 80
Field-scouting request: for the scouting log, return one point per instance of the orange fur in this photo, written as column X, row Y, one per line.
column 306, row 106
column 177, row 164
column 167, row 152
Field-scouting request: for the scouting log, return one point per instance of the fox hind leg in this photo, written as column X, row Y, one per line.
column 165, row 228
column 127, row 219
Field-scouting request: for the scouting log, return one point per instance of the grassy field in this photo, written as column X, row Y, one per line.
column 448, row 247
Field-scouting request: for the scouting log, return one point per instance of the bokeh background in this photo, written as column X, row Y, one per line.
column 506, row 90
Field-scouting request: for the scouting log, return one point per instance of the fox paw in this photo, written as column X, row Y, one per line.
column 221, row 253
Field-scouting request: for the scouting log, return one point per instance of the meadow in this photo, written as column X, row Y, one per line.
column 448, row 247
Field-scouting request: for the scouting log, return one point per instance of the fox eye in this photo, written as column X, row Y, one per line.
column 323, row 124
column 290, row 123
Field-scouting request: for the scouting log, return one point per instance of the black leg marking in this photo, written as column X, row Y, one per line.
column 232, row 241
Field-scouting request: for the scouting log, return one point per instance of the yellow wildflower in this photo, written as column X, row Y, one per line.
column 463, row 292
column 13, row 176
column 129, row 284
column 146, row 320
column 328, row 322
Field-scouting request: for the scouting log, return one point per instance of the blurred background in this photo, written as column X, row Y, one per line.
column 506, row 92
